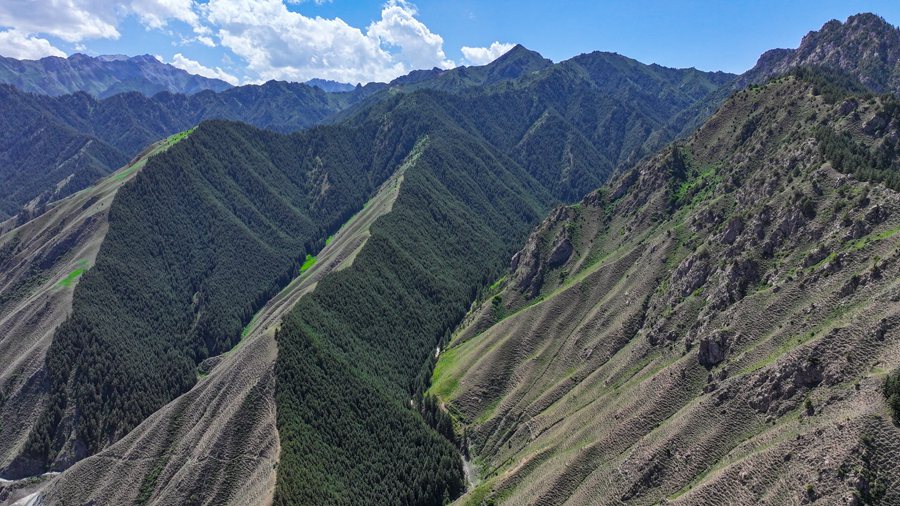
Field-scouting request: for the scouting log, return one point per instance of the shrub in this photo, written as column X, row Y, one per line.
column 892, row 394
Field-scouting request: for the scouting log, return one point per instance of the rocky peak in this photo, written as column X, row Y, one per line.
column 865, row 46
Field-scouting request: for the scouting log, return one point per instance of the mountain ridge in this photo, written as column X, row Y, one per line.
column 865, row 45
column 102, row 76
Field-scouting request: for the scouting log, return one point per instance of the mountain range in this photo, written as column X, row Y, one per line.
column 102, row 76
column 592, row 281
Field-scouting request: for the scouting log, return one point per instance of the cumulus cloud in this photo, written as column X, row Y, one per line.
column 16, row 44
column 275, row 42
column 157, row 13
column 278, row 43
column 195, row 67
column 78, row 20
column 69, row 20
column 418, row 47
column 485, row 55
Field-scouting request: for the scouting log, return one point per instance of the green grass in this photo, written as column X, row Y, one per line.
column 246, row 331
column 180, row 136
column 444, row 384
column 74, row 274
column 129, row 171
column 169, row 142
column 698, row 187
column 309, row 262
column 865, row 241
column 328, row 241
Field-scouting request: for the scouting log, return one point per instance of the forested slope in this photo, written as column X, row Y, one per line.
column 54, row 146
column 201, row 239
column 579, row 119
column 219, row 442
column 41, row 262
column 361, row 342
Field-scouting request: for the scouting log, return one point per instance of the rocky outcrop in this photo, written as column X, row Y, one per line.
column 774, row 391
column 692, row 273
column 733, row 230
column 865, row 46
column 548, row 247
column 712, row 349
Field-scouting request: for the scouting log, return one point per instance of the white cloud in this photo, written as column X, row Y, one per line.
column 398, row 28
column 70, row 20
column 274, row 41
column 78, row 20
column 278, row 43
column 16, row 44
column 485, row 55
column 157, row 13
column 206, row 41
column 195, row 67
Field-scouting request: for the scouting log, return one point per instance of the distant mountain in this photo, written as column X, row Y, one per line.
column 51, row 147
column 102, row 76
column 865, row 46
column 624, row 112
column 330, row 86
column 514, row 64
column 577, row 119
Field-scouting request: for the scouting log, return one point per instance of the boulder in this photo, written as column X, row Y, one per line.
column 733, row 230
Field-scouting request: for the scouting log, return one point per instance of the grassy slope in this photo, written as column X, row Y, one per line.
column 594, row 391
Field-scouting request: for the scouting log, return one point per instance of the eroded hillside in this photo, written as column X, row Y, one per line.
column 714, row 327
column 41, row 264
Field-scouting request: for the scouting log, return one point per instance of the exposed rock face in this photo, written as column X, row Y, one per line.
column 815, row 256
column 733, row 230
column 560, row 253
column 712, row 350
column 529, row 265
column 865, row 46
column 692, row 273
column 773, row 389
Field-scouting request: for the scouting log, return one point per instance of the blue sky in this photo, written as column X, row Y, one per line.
column 256, row 40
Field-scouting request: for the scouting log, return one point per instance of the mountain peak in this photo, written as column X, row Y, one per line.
column 113, row 57
column 330, row 86
column 869, row 19
column 865, row 46
column 522, row 53
column 515, row 63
